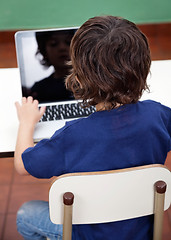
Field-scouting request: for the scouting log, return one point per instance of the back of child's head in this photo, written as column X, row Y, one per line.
column 110, row 57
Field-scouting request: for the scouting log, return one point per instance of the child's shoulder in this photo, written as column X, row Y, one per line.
column 150, row 102
column 155, row 107
column 153, row 104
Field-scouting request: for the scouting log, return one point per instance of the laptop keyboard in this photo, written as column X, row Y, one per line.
column 66, row 111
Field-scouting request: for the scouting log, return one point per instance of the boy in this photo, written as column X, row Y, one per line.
column 110, row 60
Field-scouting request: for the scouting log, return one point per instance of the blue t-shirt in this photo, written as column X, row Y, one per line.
column 131, row 135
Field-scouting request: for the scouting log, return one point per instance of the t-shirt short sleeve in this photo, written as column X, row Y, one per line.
column 39, row 160
column 167, row 119
column 169, row 128
column 169, row 124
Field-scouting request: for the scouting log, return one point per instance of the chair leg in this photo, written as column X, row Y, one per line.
column 160, row 189
column 68, row 199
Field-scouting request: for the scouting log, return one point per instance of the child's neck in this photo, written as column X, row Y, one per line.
column 101, row 106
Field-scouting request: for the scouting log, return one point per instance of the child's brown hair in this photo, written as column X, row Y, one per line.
column 110, row 57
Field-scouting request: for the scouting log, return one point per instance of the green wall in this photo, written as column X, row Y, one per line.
column 32, row 14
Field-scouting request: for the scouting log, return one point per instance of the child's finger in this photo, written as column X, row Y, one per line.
column 17, row 105
column 23, row 100
column 35, row 102
column 30, row 99
column 42, row 110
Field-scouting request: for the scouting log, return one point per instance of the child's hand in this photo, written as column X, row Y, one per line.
column 28, row 112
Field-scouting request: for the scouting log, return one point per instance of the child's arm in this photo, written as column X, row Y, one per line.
column 28, row 115
column 168, row 160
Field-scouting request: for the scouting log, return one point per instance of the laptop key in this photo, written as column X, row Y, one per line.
column 66, row 111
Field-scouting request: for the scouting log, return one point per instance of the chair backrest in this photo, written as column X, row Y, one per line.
column 109, row 196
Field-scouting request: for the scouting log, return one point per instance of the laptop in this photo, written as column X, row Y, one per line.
column 42, row 57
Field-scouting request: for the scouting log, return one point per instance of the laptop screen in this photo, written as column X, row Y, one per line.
column 42, row 57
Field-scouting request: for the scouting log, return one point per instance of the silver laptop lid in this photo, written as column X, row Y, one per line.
column 42, row 57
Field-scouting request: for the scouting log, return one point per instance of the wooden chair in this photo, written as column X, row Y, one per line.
column 109, row 196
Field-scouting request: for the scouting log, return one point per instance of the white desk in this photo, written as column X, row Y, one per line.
column 159, row 82
column 10, row 91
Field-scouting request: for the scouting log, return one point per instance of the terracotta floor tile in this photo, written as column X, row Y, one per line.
column 19, row 179
column 25, row 192
column 168, row 161
column 10, row 231
column 169, row 216
column 4, row 194
column 6, row 170
column 166, row 227
column 1, row 224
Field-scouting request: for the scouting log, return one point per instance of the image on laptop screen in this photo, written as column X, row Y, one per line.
column 42, row 57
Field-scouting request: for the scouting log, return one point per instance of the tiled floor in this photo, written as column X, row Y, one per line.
column 16, row 189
